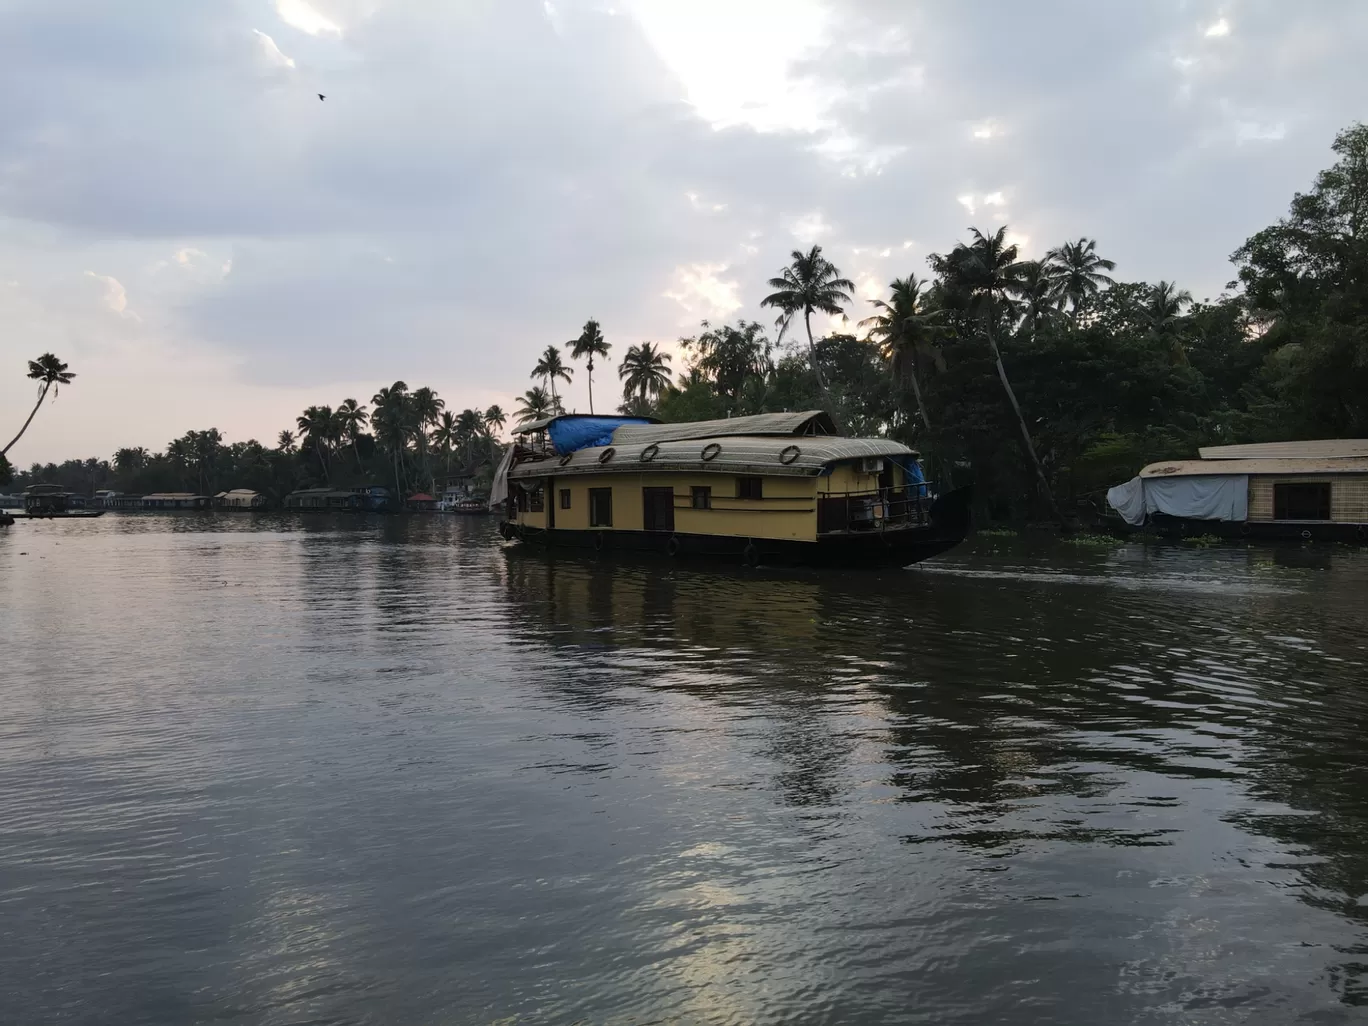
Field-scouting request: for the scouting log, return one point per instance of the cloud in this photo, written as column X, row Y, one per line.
column 115, row 295
column 300, row 15
column 702, row 294
column 272, row 52
column 1219, row 27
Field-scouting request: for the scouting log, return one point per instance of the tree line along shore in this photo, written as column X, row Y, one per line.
column 1043, row 381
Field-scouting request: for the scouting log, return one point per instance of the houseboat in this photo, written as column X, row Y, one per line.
column 44, row 501
column 1293, row 490
column 240, row 499
column 780, row 488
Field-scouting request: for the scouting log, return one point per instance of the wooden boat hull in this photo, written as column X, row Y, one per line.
column 893, row 547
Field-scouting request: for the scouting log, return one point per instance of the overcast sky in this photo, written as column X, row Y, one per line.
column 208, row 244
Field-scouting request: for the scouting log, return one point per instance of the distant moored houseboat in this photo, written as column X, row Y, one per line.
column 240, row 498
column 175, row 500
column 1316, row 489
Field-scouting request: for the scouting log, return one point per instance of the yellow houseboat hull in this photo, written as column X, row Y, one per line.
column 894, row 546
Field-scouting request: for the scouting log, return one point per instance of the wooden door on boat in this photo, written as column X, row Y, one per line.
column 657, row 509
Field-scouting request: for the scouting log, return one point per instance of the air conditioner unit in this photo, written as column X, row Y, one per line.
column 871, row 465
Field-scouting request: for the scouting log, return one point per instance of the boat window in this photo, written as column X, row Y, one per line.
column 565, row 498
column 702, row 497
column 536, row 500
column 521, row 499
column 600, row 507
column 1301, row 501
column 749, row 488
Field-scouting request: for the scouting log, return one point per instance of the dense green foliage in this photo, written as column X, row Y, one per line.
column 1037, row 379
column 415, row 444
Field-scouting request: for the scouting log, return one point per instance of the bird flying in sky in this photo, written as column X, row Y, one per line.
column 321, row 96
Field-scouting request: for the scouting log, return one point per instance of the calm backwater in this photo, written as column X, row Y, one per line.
column 275, row 770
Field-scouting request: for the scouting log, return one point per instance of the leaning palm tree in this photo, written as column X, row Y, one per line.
column 550, row 368
column 1077, row 269
column 906, row 332
column 589, row 344
column 50, row 373
column 986, row 274
column 810, row 284
column 351, row 418
column 534, row 404
column 644, row 372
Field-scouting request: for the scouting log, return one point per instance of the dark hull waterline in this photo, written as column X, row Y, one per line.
column 892, row 547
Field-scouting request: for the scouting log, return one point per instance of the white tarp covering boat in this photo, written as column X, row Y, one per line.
column 1192, row 497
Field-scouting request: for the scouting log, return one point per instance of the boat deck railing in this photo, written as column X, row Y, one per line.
column 874, row 510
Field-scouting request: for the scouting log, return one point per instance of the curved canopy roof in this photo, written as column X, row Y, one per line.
column 736, row 454
column 806, row 422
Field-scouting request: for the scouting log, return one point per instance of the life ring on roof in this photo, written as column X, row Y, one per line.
column 649, row 453
column 789, row 453
column 711, row 451
column 607, row 454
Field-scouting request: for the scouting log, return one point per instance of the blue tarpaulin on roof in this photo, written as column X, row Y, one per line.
column 570, row 434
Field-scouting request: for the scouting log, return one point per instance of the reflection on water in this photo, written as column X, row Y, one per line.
column 386, row 770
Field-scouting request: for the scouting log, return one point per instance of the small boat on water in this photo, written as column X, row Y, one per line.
column 776, row 488
column 51, row 502
column 1274, row 490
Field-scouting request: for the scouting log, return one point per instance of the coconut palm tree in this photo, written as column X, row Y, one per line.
column 285, row 441
column 390, row 418
column 905, row 332
column 50, row 373
column 316, row 428
column 128, row 461
column 534, row 404
column 809, row 284
column 445, row 437
column 1040, row 294
column 589, row 344
column 425, row 407
column 494, row 419
column 644, row 372
column 351, row 418
column 1165, row 305
column 1161, row 311
column 551, row 367
column 1077, row 269
column 986, row 274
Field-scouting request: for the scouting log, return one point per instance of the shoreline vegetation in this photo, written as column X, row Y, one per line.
column 1044, row 381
